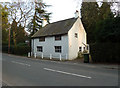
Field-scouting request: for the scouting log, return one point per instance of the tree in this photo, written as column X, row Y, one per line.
column 13, row 32
column 20, row 13
column 39, row 15
column 89, row 13
column 5, row 23
column 92, row 14
column 105, row 11
column 20, row 37
column 108, row 30
column 103, row 26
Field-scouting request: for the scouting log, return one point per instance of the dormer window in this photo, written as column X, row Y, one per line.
column 41, row 39
column 58, row 37
column 76, row 35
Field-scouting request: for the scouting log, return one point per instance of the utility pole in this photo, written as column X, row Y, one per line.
column 9, row 41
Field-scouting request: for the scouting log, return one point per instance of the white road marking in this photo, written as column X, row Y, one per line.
column 74, row 63
column 21, row 63
column 67, row 73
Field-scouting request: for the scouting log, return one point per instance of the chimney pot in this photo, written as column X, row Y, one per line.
column 77, row 14
column 44, row 22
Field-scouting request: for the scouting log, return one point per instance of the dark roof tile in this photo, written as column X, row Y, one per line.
column 56, row 28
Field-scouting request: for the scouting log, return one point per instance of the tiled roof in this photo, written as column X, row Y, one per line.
column 56, row 28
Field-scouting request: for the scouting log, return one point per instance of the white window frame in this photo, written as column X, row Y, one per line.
column 58, row 49
column 39, row 49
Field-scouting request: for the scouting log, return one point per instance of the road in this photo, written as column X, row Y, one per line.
column 23, row 71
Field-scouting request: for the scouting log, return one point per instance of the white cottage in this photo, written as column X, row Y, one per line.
column 60, row 40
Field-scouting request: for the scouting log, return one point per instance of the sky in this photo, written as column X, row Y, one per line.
column 62, row 9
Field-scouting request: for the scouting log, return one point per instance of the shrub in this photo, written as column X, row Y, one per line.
column 105, row 52
column 18, row 50
column 80, row 55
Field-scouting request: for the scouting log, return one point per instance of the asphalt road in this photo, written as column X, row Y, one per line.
column 23, row 71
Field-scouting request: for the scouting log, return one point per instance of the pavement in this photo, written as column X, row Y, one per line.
column 23, row 71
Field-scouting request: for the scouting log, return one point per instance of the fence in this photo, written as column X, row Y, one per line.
column 50, row 56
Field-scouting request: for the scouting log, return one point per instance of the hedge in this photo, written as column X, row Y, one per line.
column 18, row 50
column 105, row 52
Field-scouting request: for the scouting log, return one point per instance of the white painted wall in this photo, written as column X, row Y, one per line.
column 48, row 47
column 75, row 43
column 70, row 44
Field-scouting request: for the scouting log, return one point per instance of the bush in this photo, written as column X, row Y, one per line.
column 80, row 55
column 105, row 52
column 18, row 50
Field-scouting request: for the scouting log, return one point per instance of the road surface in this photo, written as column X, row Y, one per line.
column 23, row 71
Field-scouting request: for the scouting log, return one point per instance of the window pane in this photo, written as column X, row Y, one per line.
column 58, row 37
column 39, row 49
column 58, row 49
column 41, row 39
column 76, row 35
column 80, row 49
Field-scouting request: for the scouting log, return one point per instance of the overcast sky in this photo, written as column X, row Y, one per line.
column 62, row 9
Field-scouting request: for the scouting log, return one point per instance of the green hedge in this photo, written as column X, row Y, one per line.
column 105, row 52
column 18, row 50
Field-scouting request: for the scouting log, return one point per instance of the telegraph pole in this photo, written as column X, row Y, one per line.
column 9, row 41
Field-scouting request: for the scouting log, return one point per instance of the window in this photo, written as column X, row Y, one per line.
column 58, row 49
column 39, row 49
column 80, row 49
column 84, row 48
column 41, row 39
column 58, row 37
column 76, row 35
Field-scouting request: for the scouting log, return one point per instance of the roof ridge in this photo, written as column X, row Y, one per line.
column 55, row 28
column 63, row 20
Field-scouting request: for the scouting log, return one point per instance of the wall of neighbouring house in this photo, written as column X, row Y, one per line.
column 75, row 43
column 48, row 47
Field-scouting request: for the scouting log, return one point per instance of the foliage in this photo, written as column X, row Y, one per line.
column 89, row 13
column 105, row 52
column 18, row 50
column 5, row 24
column 85, row 51
column 39, row 15
column 92, row 14
column 13, row 32
column 105, row 12
column 80, row 55
column 18, row 34
column 108, row 30
column 21, row 12
column 20, row 37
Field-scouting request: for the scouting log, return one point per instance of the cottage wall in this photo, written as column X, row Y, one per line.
column 48, row 47
column 75, row 43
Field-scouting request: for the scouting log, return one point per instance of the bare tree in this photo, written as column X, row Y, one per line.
column 20, row 13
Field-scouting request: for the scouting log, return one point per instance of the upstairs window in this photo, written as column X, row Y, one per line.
column 58, row 37
column 58, row 49
column 76, row 35
column 39, row 48
column 41, row 39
